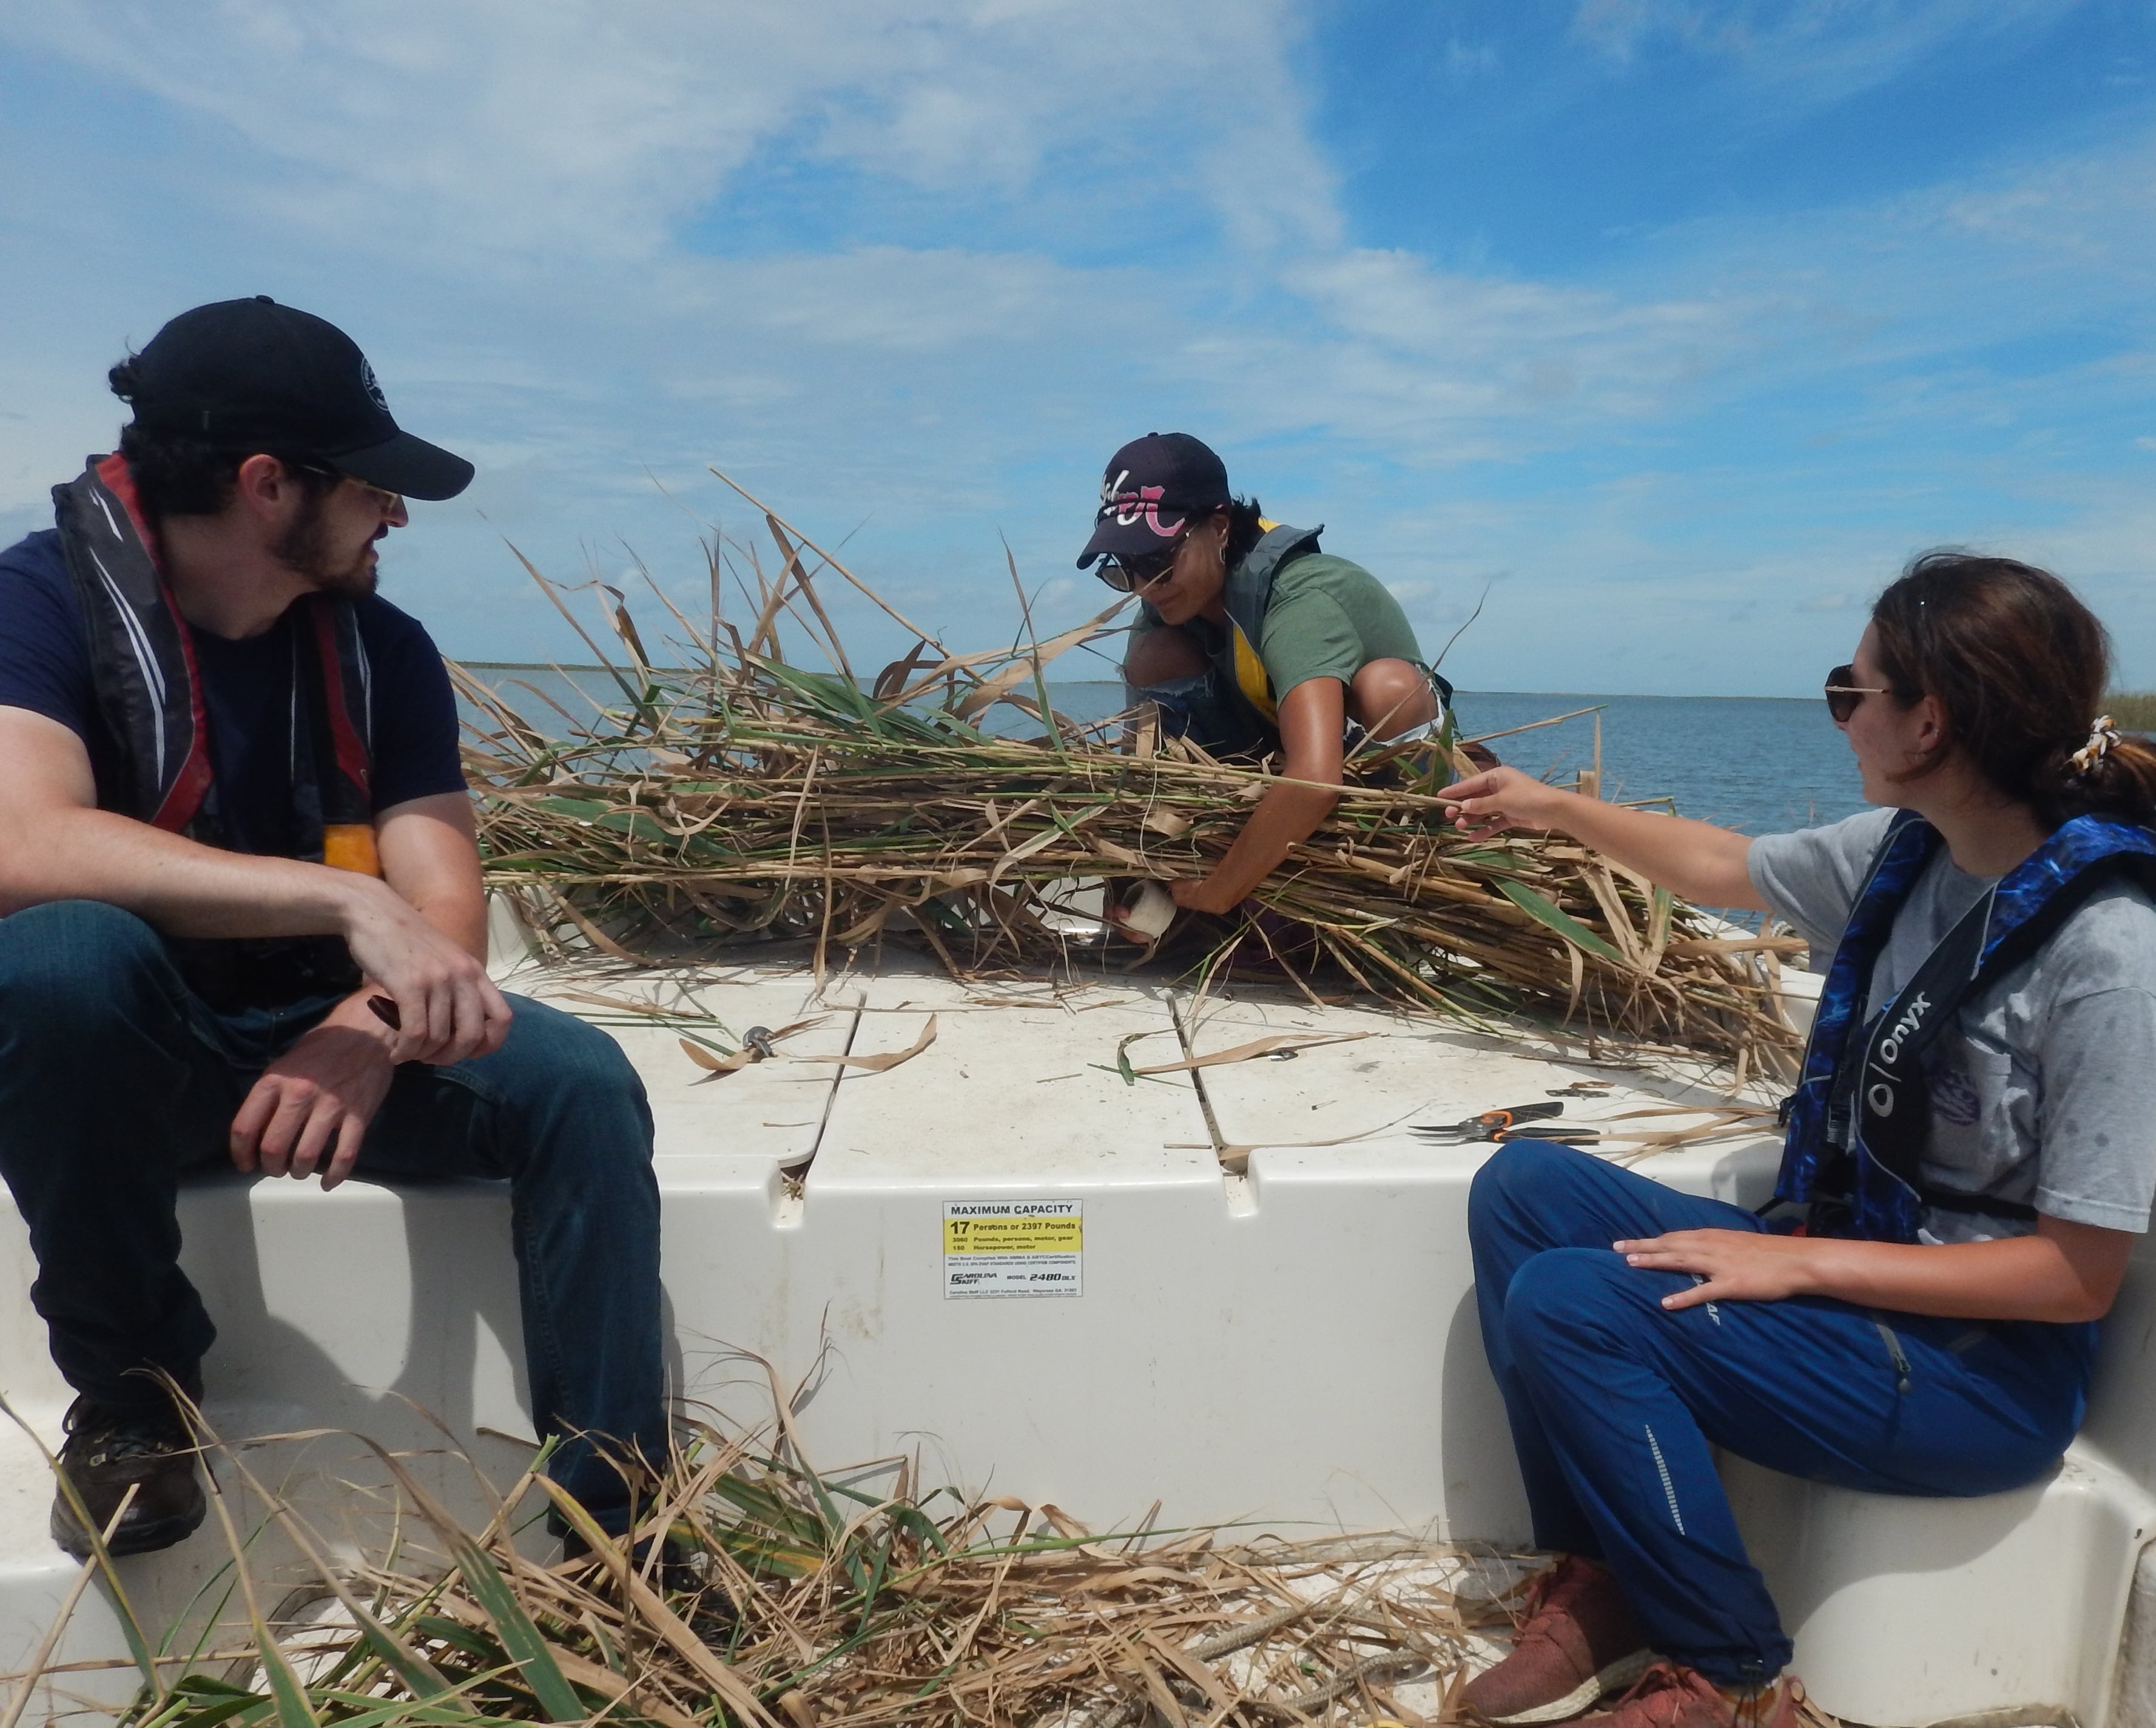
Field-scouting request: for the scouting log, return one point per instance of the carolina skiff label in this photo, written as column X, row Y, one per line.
column 1013, row 1247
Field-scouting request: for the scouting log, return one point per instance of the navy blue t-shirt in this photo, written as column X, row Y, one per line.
column 247, row 691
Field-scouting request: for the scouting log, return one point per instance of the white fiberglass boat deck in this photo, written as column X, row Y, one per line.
column 1246, row 1294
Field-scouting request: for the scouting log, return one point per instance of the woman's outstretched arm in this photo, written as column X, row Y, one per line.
column 1695, row 859
column 2061, row 1273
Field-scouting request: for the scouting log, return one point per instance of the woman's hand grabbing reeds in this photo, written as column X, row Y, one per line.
column 1702, row 862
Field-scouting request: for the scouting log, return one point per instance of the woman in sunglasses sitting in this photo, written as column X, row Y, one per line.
column 1252, row 640
column 1970, row 1156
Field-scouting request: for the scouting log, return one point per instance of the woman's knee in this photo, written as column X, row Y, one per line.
column 1157, row 655
column 1520, row 1179
column 1578, row 1295
column 1387, row 696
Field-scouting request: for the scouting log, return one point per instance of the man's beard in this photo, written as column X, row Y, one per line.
column 303, row 548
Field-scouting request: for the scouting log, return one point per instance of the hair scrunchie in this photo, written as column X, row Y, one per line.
column 2101, row 737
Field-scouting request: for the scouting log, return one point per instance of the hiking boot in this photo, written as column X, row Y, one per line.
column 109, row 1448
column 1577, row 1641
column 1669, row 1695
column 683, row 1568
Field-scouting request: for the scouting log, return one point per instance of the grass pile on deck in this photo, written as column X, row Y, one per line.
column 741, row 795
column 825, row 1601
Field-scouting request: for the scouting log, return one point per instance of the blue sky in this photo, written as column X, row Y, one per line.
column 1677, row 325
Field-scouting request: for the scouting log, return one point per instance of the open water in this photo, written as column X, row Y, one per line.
column 1760, row 764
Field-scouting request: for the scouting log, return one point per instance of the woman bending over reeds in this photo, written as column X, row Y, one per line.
column 1250, row 639
column 1969, row 1161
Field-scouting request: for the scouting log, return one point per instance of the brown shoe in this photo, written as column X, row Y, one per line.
column 108, row 1450
column 1669, row 1695
column 1577, row 1641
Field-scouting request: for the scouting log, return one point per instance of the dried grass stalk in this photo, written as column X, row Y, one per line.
column 743, row 796
column 767, row 1594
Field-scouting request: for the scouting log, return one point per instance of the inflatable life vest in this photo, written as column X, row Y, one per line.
column 152, row 761
column 1860, row 1118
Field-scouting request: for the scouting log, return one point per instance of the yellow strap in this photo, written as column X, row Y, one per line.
column 349, row 846
column 1250, row 676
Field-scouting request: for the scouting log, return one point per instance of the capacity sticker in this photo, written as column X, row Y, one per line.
column 1015, row 1248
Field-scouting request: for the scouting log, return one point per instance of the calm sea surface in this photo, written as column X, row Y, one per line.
column 1760, row 764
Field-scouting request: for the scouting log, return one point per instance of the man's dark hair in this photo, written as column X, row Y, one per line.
column 177, row 475
column 1244, row 530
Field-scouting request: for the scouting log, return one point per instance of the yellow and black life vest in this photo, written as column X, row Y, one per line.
column 1249, row 592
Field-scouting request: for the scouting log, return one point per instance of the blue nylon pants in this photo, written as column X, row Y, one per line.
column 114, row 1079
column 1615, row 1402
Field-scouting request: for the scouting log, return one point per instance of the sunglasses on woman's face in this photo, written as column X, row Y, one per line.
column 1127, row 575
column 1844, row 692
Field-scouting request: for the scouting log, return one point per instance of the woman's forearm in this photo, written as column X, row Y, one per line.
column 2019, row 1278
column 2061, row 1273
column 1288, row 814
column 1695, row 859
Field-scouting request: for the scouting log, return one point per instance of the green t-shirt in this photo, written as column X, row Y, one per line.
column 1328, row 619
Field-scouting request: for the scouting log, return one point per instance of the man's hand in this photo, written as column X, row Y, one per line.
column 1738, row 1265
column 317, row 1098
column 448, row 1007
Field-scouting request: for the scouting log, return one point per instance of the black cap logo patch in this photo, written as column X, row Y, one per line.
column 373, row 389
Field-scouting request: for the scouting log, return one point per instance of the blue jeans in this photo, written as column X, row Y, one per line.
column 1614, row 1400
column 114, row 1077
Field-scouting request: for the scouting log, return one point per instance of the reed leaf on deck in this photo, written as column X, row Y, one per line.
column 758, row 1592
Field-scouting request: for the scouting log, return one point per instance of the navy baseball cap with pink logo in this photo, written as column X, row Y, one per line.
column 1153, row 487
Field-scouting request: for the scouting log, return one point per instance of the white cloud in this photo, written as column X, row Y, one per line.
column 1816, row 51
column 607, row 123
column 511, row 206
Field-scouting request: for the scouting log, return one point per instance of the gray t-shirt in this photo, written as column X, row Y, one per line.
column 2044, row 1090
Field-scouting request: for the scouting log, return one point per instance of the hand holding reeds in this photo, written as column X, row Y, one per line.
column 1698, row 859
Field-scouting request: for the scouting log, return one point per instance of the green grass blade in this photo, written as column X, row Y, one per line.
column 1569, row 928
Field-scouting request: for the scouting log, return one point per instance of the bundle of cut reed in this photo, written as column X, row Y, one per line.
column 757, row 1593
column 740, row 794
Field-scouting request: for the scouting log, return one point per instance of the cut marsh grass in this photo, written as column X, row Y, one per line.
column 789, row 1599
column 741, row 795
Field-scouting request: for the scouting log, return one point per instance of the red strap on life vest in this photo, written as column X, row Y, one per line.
column 190, row 786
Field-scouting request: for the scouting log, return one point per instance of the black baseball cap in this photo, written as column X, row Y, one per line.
column 1152, row 486
column 251, row 374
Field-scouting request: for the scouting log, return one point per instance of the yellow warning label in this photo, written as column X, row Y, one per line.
column 1007, row 1235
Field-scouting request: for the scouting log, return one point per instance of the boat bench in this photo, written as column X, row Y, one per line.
column 1272, row 1319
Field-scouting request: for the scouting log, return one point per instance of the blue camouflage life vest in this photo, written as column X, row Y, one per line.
column 1860, row 1118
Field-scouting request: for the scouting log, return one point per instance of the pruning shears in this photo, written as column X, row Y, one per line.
column 1511, row 1122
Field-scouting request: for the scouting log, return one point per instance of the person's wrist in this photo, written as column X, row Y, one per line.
column 353, row 898
column 353, row 1013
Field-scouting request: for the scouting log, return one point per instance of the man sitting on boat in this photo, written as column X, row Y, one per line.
column 1252, row 640
column 244, row 920
column 1969, row 1142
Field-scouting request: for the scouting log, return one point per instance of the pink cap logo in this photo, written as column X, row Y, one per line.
column 1129, row 507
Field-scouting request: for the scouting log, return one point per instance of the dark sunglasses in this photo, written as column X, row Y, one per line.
column 1844, row 692
column 1127, row 575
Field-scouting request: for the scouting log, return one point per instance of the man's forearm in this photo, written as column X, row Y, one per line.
column 182, row 887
